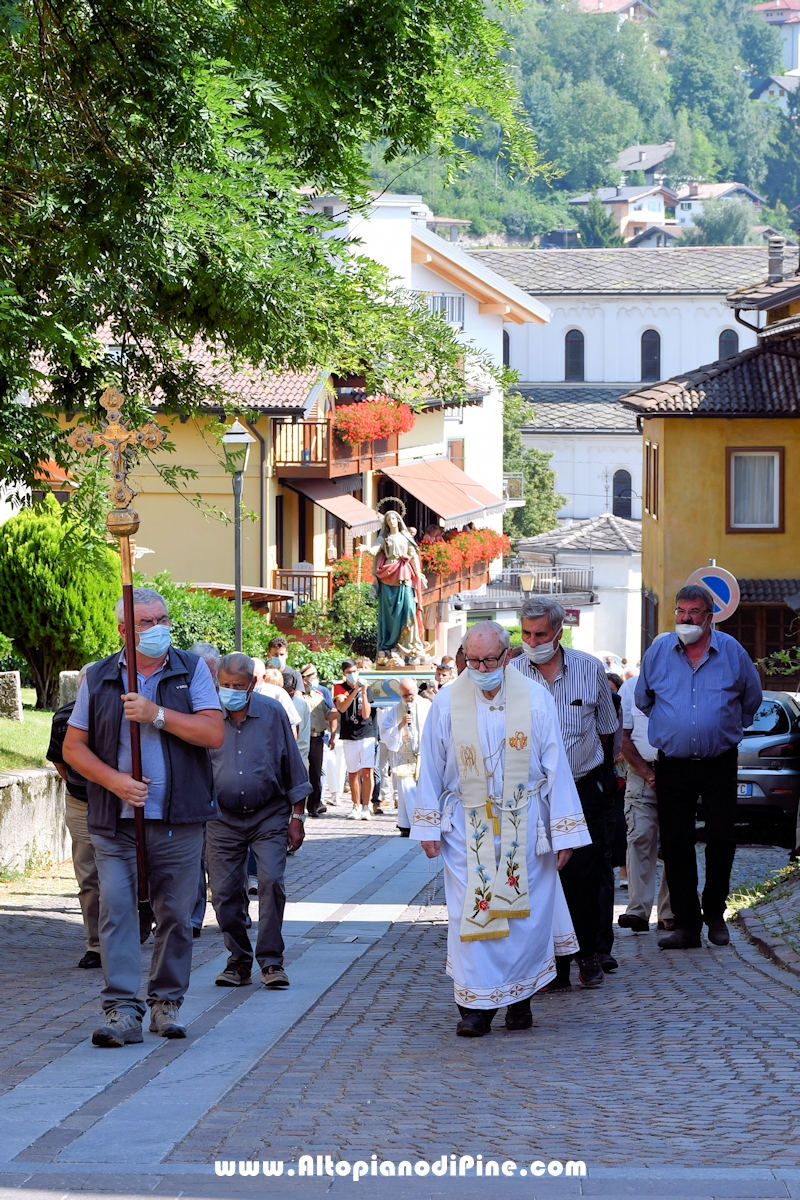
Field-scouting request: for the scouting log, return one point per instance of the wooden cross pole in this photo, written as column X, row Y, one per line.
column 116, row 439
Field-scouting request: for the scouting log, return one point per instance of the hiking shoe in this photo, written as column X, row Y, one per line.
column 590, row 973
column 274, row 977
column 120, row 1027
column 164, row 1020
column 90, row 959
column 236, row 974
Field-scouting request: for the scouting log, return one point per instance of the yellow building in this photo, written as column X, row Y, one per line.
column 721, row 465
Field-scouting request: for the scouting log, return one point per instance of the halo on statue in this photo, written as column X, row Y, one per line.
column 399, row 505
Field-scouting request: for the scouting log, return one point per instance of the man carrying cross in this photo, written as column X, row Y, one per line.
column 496, row 798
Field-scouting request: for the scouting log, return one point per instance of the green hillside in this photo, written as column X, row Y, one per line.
column 592, row 86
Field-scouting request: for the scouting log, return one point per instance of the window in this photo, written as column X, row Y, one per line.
column 651, row 479
column 651, row 355
column 455, row 452
column 279, row 543
column 686, row 206
column 506, row 349
column 770, row 718
column 728, row 343
column 755, row 489
column 573, row 356
column 622, row 494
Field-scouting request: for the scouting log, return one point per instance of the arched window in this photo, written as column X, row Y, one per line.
column 651, row 355
column 573, row 356
column 622, row 494
column 506, row 349
column 728, row 343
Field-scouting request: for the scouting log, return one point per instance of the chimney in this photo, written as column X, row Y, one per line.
column 775, row 261
column 642, row 155
column 694, row 189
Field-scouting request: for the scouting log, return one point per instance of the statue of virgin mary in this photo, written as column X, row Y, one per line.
column 399, row 582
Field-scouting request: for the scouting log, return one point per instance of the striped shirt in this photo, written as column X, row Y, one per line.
column 583, row 704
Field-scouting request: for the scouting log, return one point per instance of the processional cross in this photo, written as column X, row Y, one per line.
column 116, row 439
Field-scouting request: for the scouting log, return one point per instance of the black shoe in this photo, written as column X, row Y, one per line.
column 631, row 921
column 403, row 832
column 556, row 985
column 317, row 812
column 90, row 959
column 475, row 1022
column 718, row 931
column 518, row 1016
column 590, row 973
column 196, row 931
column 608, row 962
column 669, row 925
column 680, row 939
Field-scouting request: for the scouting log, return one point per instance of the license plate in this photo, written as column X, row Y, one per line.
column 744, row 789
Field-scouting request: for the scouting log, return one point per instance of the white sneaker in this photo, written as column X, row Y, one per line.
column 366, row 813
column 354, row 814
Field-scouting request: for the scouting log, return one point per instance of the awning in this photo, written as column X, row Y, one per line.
column 327, row 495
column 444, row 488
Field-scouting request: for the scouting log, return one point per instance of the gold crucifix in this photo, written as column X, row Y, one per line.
column 117, row 439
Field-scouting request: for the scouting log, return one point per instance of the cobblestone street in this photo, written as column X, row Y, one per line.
column 682, row 1062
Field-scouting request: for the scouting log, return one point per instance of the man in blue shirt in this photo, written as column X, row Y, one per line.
column 700, row 691
column 179, row 718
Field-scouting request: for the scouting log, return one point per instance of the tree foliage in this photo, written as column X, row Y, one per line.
column 596, row 226
column 542, row 502
column 154, row 153
column 723, row 223
column 57, row 610
column 200, row 617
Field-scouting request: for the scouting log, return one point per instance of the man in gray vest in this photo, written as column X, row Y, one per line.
column 178, row 712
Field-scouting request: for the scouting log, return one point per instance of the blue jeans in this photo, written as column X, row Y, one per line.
column 173, row 863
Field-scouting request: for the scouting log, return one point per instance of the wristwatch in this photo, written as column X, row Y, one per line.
column 159, row 720
column 298, row 817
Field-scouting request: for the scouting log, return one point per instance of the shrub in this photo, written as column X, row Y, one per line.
column 57, row 610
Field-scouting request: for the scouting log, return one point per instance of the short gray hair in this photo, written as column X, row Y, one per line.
column 237, row 664
column 206, row 651
column 696, row 591
column 539, row 606
column 141, row 595
column 495, row 626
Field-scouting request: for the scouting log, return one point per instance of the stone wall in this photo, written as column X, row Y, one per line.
column 32, row 827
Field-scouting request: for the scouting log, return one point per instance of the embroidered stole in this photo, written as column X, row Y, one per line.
column 495, row 893
column 407, row 765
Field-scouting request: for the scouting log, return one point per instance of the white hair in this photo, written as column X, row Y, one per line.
column 237, row 664
column 141, row 595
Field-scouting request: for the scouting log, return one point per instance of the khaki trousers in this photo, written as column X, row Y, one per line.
column 641, row 820
column 85, row 869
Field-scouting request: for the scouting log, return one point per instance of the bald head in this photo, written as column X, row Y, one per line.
column 408, row 690
column 486, row 639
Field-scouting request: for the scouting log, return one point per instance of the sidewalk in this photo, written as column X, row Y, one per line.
column 677, row 1078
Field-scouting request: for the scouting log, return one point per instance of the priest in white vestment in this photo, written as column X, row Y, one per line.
column 496, row 798
column 401, row 727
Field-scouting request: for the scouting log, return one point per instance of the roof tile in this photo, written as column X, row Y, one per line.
column 577, row 409
column 605, row 532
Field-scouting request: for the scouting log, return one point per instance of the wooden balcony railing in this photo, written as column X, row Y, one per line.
column 313, row 450
column 306, row 585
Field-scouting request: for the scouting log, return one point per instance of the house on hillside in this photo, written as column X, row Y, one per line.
column 785, row 16
column 776, row 89
column 618, row 317
column 625, row 10
column 689, row 200
column 721, row 455
column 634, row 209
column 648, row 158
column 312, row 493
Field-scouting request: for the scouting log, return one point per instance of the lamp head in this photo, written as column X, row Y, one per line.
column 236, row 442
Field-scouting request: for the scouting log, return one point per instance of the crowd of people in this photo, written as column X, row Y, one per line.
column 532, row 772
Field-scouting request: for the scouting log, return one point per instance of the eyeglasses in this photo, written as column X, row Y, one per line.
column 146, row 623
column 490, row 663
column 692, row 612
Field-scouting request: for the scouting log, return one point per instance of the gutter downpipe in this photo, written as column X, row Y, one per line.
column 262, row 504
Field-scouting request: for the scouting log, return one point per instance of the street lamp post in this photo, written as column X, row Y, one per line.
column 236, row 443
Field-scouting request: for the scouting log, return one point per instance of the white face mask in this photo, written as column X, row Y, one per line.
column 542, row 653
column 690, row 633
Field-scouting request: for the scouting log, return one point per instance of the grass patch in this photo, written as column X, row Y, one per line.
column 23, row 743
column 750, row 896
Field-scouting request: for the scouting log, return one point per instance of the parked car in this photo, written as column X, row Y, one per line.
column 769, row 762
column 612, row 663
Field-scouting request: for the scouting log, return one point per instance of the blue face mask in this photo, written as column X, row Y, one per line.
column 154, row 642
column 487, row 681
column 234, row 699
column 279, row 663
column 351, row 677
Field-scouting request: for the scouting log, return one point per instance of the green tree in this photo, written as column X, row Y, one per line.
column 542, row 502
column 723, row 223
column 153, row 160
column 693, row 156
column 57, row 610
column 200, row 617
column 595, row 225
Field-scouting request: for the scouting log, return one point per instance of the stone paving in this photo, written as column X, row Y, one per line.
column 684, row 1060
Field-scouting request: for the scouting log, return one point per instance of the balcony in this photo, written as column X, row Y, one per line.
column 542, row 579
column 313, row 450
column 449, row 305
column 508, row 590
column 304, row 586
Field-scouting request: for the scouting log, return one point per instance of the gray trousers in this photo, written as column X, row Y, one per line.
column 641, row 818
column 227, row 842
column 85, row 869
column 173, row 863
